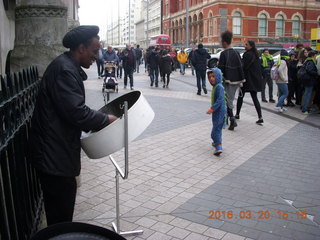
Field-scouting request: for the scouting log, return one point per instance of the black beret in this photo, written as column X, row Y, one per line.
column 79, row 35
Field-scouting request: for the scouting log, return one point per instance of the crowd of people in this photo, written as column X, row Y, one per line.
column 295, row 73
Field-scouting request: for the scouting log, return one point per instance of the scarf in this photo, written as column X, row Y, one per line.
column 312, row 59
column 286, row 58
column 265, row 59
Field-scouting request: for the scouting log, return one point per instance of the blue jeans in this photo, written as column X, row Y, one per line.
column 283, row 93
column 201, row 79
column 306, row 98
column 154, row 75
column 182, row 67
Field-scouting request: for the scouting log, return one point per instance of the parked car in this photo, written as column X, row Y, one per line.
column 213, row 62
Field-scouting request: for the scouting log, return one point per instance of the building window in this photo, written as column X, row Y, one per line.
column 166, row 9
column 319, row 22
column 280, row 26
column 263, row 22
column 210, row 24
column 236, row 23
column 296, row 26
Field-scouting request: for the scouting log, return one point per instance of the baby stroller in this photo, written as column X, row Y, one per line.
column 110, row 81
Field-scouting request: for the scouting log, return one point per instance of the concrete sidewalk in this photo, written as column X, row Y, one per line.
column 175, row 183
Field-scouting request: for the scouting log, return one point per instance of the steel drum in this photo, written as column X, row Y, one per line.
column 111, row 138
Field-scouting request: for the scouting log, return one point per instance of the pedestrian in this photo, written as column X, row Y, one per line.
column 292, row 79
column 182, row 58
column 138, row 53
column 231, row 66
column 266, row 64
column 173, row 54
column 309, row 81
column 153, row 63
column 217, row 109
column 190, row 56
column 253, row 76
column 59, row 116
column 110, row 55
column 166, row 63
column 199, row 59
column 120, row 64
column 282, row 81
column 302, row 56
column 100, row 62
column 129, row 65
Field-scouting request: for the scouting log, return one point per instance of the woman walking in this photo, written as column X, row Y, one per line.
column 282, row 81
column 166, row 64
column 253, row 76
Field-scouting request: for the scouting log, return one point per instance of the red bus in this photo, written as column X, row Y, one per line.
column 162, row 41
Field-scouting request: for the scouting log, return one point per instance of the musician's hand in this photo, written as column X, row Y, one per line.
column 112, row 118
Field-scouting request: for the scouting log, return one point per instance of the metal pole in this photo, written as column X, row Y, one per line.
column 147, row 41
column 119, row 42
column 187, row 23
column 129, row 21
column 116, row 226
column 126, row 140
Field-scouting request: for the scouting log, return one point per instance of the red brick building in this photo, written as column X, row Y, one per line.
column 264, row 21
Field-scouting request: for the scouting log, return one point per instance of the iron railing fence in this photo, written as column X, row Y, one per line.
column 20, row 195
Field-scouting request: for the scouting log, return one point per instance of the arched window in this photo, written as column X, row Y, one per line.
column 263, row 23
column 280, row 26
column 236, row 23
column 210, row 26
column 296, row 25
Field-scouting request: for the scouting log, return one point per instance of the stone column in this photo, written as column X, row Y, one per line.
column 40, row 27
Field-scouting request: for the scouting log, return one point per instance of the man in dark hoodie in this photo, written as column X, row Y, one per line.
column 231, row 66
column 199, row 61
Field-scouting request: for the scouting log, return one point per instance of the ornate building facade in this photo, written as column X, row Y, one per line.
column 264, row 21
column 32, row 31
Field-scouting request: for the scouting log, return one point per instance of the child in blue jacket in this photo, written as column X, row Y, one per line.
column 217, row 109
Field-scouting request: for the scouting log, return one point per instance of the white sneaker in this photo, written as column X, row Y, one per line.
column 279, row 109
column 284, row 109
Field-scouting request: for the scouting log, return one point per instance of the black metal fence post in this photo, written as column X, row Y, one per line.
column 20, row 195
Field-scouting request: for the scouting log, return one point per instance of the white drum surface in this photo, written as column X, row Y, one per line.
column 111, row 138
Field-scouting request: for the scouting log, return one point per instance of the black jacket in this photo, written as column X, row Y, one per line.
column 166, row 63
column 129, row 61
column 153, row 59
column 138, row 53
column 231, row 66
column 199, row 59
column 252, row 72
column 311, row 77
column 58, row 118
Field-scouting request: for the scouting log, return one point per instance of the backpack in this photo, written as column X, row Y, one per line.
column 274, row 73
column 302, row 73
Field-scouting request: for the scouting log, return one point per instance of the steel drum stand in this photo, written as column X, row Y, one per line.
column 116, row 226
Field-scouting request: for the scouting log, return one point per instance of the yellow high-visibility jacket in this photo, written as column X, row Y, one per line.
column 182, row 57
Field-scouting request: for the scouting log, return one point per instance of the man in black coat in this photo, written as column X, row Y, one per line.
column 59, row 117
column 129, row 65
column 138, row 53
column 199, row 61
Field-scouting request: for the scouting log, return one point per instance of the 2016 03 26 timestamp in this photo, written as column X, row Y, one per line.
column 263, row 214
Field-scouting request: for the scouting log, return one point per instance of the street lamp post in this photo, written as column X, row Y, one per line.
column 147, row 23
column 187, row 23
column 129, row 21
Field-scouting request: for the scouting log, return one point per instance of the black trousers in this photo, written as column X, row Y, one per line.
column 59, row 194
column 164, row 78
column 255, row 102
